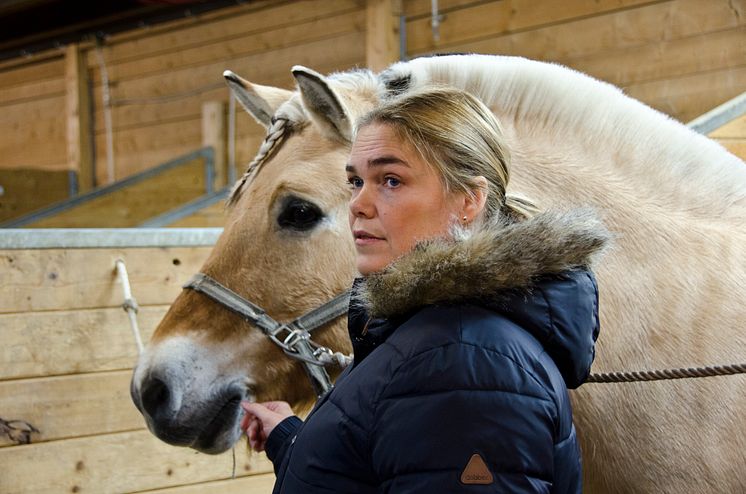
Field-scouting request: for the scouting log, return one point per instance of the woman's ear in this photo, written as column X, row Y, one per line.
column 474, row 203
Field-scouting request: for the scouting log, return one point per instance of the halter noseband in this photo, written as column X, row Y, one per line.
column 294, row 338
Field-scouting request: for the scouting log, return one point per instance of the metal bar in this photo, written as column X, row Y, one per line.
column 93, row 194
column 231, row 138
column 72, row 183
column 719, row 116
column 186, row 210
column 102, row 238
column 209, row 169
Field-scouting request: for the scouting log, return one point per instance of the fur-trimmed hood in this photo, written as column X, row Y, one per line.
column 535, row 272
column 481, row 266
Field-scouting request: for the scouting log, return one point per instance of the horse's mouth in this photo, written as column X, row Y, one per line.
column 222, row 430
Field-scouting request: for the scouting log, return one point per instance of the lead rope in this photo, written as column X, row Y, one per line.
column 666, row 374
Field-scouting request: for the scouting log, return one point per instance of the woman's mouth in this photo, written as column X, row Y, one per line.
column 363, row 238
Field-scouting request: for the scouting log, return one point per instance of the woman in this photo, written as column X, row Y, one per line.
column 471, row 319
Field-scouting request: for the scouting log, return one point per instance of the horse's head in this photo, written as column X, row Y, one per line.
column 286, row 247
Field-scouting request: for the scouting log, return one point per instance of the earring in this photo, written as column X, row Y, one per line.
column 464, row 219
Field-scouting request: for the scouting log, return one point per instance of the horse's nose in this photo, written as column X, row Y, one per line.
column 156, row 397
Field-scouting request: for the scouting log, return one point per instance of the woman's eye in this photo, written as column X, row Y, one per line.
column 355, row 182
column 392, row 181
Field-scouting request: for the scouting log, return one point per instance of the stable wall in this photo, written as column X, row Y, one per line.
column 682, row 57
column 65, row 364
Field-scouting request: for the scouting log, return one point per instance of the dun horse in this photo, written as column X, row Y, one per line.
column 671, row 288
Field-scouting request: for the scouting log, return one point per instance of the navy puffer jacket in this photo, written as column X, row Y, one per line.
column 459, row 383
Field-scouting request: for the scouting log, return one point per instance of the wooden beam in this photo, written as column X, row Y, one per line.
column 122, row 462
column 382, row 33
column 66, row 279
column 214, row 134
column 78, row 115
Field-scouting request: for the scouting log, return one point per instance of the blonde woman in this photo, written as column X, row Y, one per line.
column 472, row 316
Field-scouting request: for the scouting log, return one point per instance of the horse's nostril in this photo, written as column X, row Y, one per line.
column 155, row 396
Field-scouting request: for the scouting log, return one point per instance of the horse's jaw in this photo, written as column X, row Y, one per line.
column 187, row 397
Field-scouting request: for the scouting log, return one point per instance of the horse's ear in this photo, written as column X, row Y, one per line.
column 260, row 101
column 322, row 103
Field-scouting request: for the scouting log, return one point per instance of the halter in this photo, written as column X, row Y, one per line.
column 294, row 338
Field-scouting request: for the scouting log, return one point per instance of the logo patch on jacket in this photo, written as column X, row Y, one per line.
column 476, row 471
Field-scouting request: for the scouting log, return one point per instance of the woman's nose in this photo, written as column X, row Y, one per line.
column 362, row 204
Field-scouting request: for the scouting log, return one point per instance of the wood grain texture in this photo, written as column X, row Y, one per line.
column 53, row 343
column 690, row 96
column 26, row 190
column 255, row 484
column 490, row 19
column 71, row 406
column 133, row 204
column 211, row 216
column 122, row 462
column 59, row 279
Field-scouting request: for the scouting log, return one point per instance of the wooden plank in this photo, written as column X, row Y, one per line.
column 200, row 33
column 685, row 98
column 255, row 484
column 140, row 148
column 493, row 18
column 32, row 90
column 71, row 406
column 421, row 8
column 211, row 216
column 53, row 343
column 342, row 49
column 665, row 60
column 35, row 71
column 78, row 118
column 59, row 279
column 244, row 45
column 34, row 135
column 648, row 24
column 139, row 114
column 122, row 462
column 381, row 34
column 25, row 190
column 735, row 129
column 133, row 204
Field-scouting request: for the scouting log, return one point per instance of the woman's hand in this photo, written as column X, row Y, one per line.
column 261, row 419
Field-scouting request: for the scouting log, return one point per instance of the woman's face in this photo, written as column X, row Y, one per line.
column 397, row 198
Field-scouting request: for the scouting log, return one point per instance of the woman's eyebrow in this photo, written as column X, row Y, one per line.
column 382, row 160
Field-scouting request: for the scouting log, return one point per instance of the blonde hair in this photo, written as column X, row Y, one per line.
column 461, row 139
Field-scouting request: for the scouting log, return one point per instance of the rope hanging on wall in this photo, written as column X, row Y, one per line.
column 130, row 304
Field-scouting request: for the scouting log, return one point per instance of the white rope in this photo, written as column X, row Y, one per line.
column 130, row 304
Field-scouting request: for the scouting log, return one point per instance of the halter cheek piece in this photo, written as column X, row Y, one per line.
column 294, row 338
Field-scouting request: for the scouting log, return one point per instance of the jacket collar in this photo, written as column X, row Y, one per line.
column 535, row 272
column 480, row 266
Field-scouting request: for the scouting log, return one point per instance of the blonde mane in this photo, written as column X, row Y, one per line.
column 692, row 171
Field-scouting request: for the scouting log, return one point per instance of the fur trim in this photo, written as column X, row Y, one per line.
column 498, row 257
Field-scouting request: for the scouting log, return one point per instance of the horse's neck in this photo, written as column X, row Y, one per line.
column 594, row 123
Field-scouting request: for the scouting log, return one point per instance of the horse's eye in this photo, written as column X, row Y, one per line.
column 299, row 215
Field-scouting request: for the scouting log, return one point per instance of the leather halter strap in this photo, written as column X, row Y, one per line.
column 294, row 337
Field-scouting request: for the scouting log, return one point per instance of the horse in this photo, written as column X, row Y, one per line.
column 671, row 287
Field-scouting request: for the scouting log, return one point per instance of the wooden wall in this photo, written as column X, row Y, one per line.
column 683, row 57
column 65, row 365
column 161, row 76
